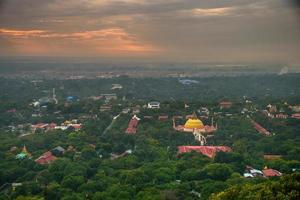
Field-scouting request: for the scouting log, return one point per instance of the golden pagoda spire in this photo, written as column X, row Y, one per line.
column 194, row 115
column 24, row 150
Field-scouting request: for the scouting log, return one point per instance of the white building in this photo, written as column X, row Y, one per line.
column 116, row 87
column 153, row 105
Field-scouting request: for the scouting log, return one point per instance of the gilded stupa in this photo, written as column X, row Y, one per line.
column 193, row 124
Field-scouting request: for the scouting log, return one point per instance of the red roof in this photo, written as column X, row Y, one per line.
column 163, row 117
column 52, row 125
column 11, row 110
column 40, row 125
column 132, row 126
column 46, row 158
column 189, row 116
column 261, row 129
column 209, row 151
column 296, row 115
column 76, row 126
column 271, row 172
column 177, row 117
column 225, row 103
column 210, row 129
column 130, row 130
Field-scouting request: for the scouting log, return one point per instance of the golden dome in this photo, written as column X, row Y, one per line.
column 194, row 124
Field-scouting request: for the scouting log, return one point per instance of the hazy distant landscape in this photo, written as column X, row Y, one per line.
column 70, row 69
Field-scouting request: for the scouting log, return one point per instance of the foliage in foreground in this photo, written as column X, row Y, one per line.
column 286, row 188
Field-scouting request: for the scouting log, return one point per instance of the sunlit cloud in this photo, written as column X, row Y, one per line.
column 21, row 33
column 106, row 41
column 189, row 30
column 208, row 12
column 103, row 34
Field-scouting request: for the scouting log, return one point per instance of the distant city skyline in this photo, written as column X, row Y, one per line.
column 229, row 31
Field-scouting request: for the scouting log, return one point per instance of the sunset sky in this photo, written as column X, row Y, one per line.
column 155, row 30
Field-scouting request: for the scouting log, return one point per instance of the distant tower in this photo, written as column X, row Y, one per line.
column 54, row 96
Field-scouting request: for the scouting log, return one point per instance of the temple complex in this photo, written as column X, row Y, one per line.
column 194, row 124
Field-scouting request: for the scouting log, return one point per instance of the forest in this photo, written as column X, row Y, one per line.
column 101, row 161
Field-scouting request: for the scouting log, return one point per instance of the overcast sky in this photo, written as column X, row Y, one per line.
column 155, row 30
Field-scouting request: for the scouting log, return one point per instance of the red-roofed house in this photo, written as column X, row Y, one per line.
column 52, row 126
column 209, row 151
column 296, row 115
column 225, row 104
column 40, row 126
column 271, row 172
column 46, row 158
column 76, row 126
column 12, row 110
column 163, row 117
column 261, row 129
column 132, row 126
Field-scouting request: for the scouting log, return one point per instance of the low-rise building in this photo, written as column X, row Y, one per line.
column 58, row 150
column 250, row 172
column 209, row 151
column 126, row 110
column 153, row 105
column 109, row 97
column 163, row 117
column 281, row 116
column 261, row 129
column 296, row 116
column 271, row 173
column 225, row 104
column 46, row 158
column 132, row 126
column 272, row 157
column 136, row 110
column 116, row 87
column 105, row 107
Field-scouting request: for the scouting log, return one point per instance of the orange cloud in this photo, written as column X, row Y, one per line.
column 110, row 41
column 21, row 33
column 103, row 33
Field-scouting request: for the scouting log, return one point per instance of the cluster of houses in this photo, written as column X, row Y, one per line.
column 47, row 157
column 250, row 172
column 53, row 126
column 107, row 106
column 272, row 112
